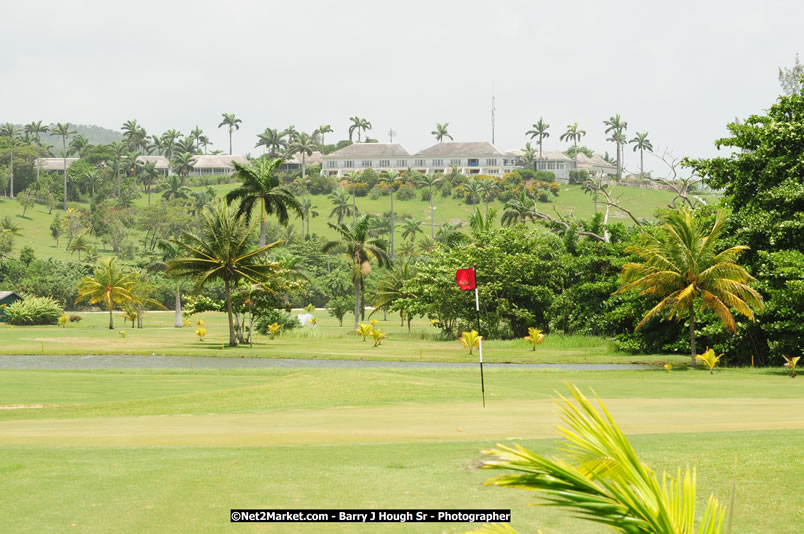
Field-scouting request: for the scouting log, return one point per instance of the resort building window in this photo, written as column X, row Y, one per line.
column 454, row 162
column 348, row 164
column 419, row 163
column 385, row 163
column 332, row 165
column 491, row 161
column 365, row 164
column 401, row 163
column 551, row 165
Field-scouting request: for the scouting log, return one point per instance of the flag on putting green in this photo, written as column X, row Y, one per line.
column 465, row 279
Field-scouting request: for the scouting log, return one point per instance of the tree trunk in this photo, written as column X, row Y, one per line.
column 357, row 300
column 111, row 319
column 432, row 215
column 262, row 224
column 232, row 339
column 178, row 323
column 139, row 320
column 11, row 166
column 606, row 222
column 641, row 163
column 692, row 333
column 392, row 220
column 64, row 154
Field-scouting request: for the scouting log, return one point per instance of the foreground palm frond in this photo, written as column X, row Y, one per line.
column 601, row 479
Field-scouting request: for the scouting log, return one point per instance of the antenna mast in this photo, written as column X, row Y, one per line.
column 493, row 110
column 391, row 134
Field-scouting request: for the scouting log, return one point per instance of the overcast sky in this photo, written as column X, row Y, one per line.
column 680, row 70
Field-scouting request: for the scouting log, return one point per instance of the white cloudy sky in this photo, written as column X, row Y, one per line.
column 680, row 70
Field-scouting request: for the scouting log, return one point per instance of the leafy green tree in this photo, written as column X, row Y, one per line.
column 261, row 187
column 10, row 131
column 360, row 249
column 681, row 266
column 761, row 183
column 573, row 134
column 430, row 180
column 641, row 143
column 110, row 285
column 540, row 130
column 222, row 250
column 232, row 123
column 441, row 132
column 63, row 130
column 55, row 228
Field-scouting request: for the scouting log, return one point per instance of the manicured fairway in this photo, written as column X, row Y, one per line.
column 173, row 451
column 326, row 341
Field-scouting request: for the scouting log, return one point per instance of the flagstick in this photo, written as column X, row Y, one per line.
column 479, row 339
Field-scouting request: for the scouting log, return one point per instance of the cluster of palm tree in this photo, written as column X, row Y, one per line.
column 615, row 127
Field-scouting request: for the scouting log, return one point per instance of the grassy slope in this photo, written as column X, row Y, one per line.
column 326, row 341
column 35, row 226
column 136, row 451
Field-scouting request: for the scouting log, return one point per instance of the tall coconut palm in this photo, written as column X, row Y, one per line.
column 360, row 249
column 572, row 134
column 273, row 142
column 473, row 187
column 430, row 180
column 261, row 187
column 441, row 132
column 616, row 126
column 63, row 131
column 642, row 143
column 304, row 145
column 681, row 266
column 110, row 285
column 233, row 123
column 539, row 130
column 223, row 250
column 10, row 131
column 392, row 178
column 360, row 124
column 195, row 135
column 319, row 134
column 341, row 205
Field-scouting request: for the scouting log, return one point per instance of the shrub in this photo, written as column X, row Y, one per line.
column 75, row 318
column 545, row 176
column 425, row 194
column 34, row 311
column 267, row 317
column 321, row 185
column 543, row 196
column 406, row 193
column 361, row 189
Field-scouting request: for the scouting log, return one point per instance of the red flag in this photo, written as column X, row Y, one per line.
column 465, row 279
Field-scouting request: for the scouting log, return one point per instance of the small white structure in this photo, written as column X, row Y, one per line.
column 306, row 319
column 53, row 164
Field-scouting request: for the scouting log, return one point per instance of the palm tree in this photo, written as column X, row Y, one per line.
column 305, row 145
column 519, row 210
column 359, row 124
column 390, row 290
column 308, row 211
column 473, row 187
column 353, row 178
column 430, row 180
column 183, row 164
column 63, row 131
column 10, row 131
column 529, row 156
column 204, row 142
column 169, row 252
column 488, row 187
column 79, row 145
column 134, row 135
column 79, row 244
column 616, row 126
column 641, row 143
column 273, row 142
column 411, row 227
column 169, row 139
column 340, row 204
column 682, row 267
column 223, row 250
column 233, row 123
column 185, row 146
column 110, row 285
column 540, row 130
column 36, row 129
column 441, row 132
column 118, row 151
column 175, row 189
column 392, row 178
column 261, row 186
column 572, row 134
column 360, row 249
column 93, row 178
column 150, row 175
column 291, row 133
column 195, row 135
column 323, row 129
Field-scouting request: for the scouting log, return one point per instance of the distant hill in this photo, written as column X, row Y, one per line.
column 97, row 135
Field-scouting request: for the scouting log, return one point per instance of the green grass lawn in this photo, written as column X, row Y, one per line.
column 35, row 226
column 174, row 450
column 326, row 341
